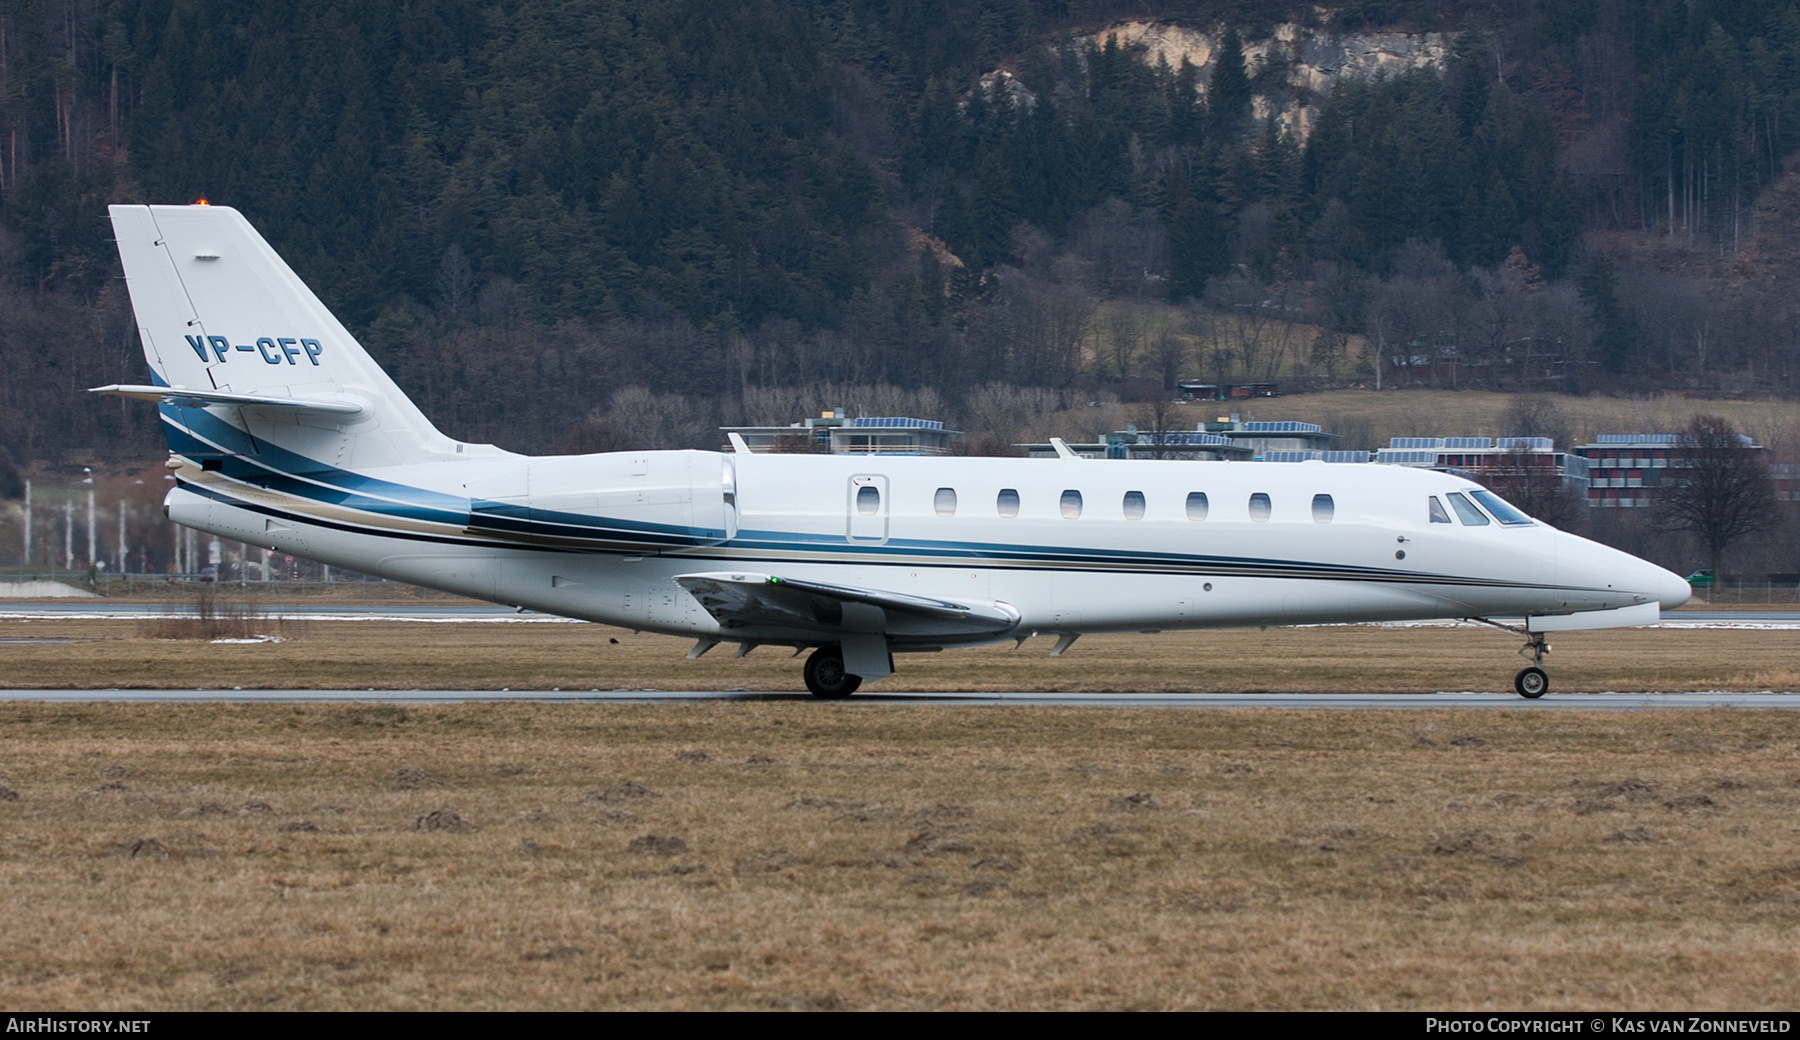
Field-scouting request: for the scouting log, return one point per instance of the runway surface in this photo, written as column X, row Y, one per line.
column 1788, row 701
column 481, row 613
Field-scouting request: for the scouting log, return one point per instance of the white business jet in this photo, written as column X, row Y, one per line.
column 284, row 433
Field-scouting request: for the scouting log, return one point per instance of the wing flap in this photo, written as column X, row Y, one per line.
column 741, row 601
column 186, row 398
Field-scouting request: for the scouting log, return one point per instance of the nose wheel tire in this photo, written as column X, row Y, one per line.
column 1531, row 682
column 825, row 675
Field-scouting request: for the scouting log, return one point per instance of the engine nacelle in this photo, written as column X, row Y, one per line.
column 646, row 501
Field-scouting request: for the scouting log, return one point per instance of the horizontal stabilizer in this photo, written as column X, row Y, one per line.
column 762, row 601
column 1622, row 617
column 186, row 398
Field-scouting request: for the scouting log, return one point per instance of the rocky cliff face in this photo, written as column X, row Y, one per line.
column 1306, row 62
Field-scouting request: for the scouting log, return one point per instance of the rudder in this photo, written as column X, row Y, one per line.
column 219, row 311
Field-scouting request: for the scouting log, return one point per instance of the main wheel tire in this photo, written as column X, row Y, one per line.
column 825, row 675
column 1531, row 683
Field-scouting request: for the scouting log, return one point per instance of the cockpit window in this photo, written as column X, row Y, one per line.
column 1503, row 511
column 1438, row 516
column 1466, row 511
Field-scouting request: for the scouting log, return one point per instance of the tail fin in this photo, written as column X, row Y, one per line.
column 222, row 317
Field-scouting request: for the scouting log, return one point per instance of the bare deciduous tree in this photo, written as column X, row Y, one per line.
column 635, row 418
column 1126, row 327
column 1170, row 350
column 1721, row 492
column 1156, row 421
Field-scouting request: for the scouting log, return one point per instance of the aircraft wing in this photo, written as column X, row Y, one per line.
column 741, row 601
column 180, row 395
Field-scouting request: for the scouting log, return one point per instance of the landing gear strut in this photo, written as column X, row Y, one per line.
column 1531, row 682
column 825, row 675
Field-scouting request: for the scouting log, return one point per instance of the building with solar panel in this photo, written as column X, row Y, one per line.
column 1626, row 469
column 1227, row 438
column 1487, row 458
column 1133, row 443
column 833, row 434
column 1283, row 436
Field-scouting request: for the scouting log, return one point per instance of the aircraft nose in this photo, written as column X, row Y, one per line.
column 1671, row 589
column 1584, row 563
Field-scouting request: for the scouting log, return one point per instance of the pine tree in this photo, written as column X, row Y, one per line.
column 1614, row 328
column 1228, row 93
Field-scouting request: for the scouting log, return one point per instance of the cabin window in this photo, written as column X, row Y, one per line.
column 1438, row 516
column 1260, row 507
column 944, row 501
column 1503, row 511
column 1466, row 511
column 1008, row 502
column 868, row 500
column 1134, row 505
column 1196, row 505
column 1071, row 505
column 1323, row 509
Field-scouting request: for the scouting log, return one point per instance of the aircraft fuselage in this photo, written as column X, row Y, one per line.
column 1090, row 546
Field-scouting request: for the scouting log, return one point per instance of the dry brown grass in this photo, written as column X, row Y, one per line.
column 1439, row 413
column 538, row 656
column 801, row 855
column 208, row 617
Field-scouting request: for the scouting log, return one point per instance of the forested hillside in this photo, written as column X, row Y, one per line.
column 530, row 209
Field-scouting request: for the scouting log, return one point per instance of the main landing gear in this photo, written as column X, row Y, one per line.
column 825, row 675
column 1531, row 682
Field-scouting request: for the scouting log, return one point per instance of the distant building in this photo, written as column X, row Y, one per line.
column 1787, row 481
column 1626, row 469
column 1133, row 443
column 1484, row 458
column 1227, row 438
column 1193, row 390
column 1265, row 437
column 831, row 433
column 1315, row 456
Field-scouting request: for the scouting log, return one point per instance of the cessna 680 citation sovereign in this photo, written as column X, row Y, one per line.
column 284, row 433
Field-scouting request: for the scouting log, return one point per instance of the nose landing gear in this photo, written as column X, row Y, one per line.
column 1531, row 682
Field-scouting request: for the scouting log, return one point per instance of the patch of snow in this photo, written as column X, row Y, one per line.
column 42, row 590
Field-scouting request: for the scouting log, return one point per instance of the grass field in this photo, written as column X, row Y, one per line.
column 811, row 855
column 802, row 856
